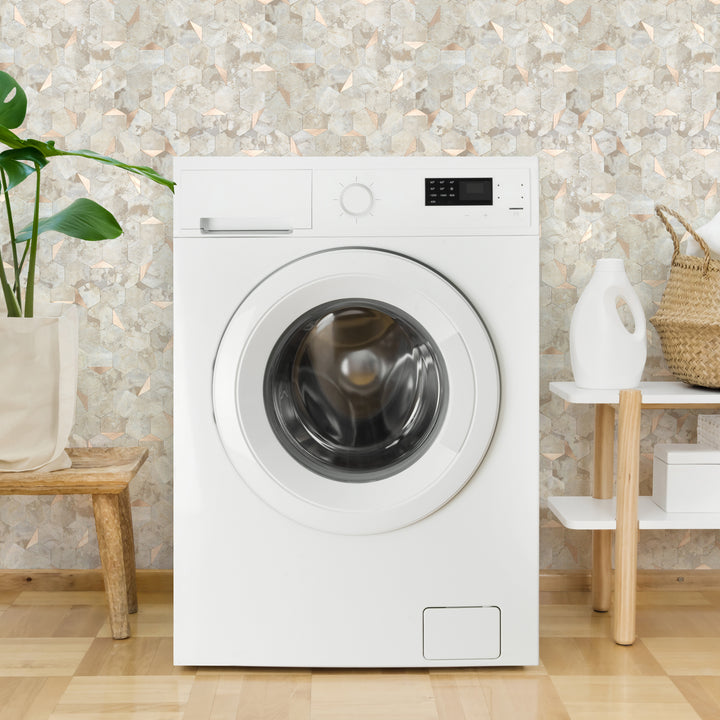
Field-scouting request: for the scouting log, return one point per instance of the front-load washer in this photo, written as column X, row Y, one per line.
column 356, row 412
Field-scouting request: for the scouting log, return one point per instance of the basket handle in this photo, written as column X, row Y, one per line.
column 662, row 211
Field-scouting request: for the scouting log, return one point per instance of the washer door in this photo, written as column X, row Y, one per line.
column 355, row 390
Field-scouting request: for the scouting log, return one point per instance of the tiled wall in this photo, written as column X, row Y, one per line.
column 617, row 99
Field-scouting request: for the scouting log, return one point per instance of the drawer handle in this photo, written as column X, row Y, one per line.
column 244, row 226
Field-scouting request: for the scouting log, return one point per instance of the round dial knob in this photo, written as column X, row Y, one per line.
column 356, row 199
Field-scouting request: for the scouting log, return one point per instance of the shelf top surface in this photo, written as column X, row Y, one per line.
column 586, row 513
column 653, row 393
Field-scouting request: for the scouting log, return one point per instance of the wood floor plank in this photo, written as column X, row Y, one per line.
column 136, row 697
column 371, row 695
column 202, row 697
column 28, row 621
column 679, row 621
column 42, row 703
column 574, row 621
column 30, row 698
column 596, row 656
column 45, row 657
column 133, row 656
column 82, row 621
column 271, row 696
column 712, row 596
column 666, row 598
column 703, row 693
column 497, row 698
column 149, row 621
column 565, row 597
column 52, row 621
column 686, row 655
column 637, row 697
column 457, row 700
column 260, row 695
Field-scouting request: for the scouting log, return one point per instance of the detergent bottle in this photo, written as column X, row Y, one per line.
column 603, row 352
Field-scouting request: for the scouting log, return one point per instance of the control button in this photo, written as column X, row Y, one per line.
column 356, row 199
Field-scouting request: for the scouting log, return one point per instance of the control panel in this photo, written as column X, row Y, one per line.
column 370, row 196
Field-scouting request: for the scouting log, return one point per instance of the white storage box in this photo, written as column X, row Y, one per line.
column 708, row 430
column 686, row 478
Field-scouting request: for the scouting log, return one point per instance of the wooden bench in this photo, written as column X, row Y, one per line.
column 105, row 474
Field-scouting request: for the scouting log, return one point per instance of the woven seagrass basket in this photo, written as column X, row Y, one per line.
column 688, row 319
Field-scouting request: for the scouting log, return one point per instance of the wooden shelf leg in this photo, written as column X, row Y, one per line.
column 109, row 532
column 626, row 533
column 128, row 541
column 603, row 488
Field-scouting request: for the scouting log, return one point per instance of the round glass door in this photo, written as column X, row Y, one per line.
column 355, row 390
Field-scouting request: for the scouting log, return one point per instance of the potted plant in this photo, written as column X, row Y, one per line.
column 38, row 356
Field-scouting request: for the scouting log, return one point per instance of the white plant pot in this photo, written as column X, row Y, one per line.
column 38, row 385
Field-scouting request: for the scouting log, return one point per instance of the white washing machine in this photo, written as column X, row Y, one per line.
column 356, row 412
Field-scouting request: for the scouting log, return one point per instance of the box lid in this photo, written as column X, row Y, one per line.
column 687, row 454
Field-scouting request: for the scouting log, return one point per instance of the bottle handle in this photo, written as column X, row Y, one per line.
column 636, row 309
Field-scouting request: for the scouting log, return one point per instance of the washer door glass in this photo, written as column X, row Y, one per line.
column 355, row 390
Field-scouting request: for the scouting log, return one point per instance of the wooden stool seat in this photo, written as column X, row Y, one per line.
column 105, row 474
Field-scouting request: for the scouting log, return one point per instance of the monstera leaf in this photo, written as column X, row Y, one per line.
column 13, row 102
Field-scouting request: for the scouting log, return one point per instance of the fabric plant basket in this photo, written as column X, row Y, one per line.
column 38, row 384
column 688, row 318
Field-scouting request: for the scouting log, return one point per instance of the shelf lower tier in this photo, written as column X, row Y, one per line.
column 586, row 513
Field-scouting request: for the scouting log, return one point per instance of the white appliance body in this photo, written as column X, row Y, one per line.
column 309, row 529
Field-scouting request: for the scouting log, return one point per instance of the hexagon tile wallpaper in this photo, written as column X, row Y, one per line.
column 617, row 99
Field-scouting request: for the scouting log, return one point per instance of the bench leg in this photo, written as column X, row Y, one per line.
column 109, row 532
column 126, row 528
column 603, row 488
column 626, row 531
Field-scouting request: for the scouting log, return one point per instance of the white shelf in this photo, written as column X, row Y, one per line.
column 586, row 513
column 665, row 394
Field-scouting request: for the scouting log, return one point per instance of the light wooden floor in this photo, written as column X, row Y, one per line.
column 57, row 661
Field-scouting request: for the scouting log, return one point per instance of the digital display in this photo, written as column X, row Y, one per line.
column 475, row 192
column 458, row 191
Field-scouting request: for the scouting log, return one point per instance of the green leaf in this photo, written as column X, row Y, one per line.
column 25, row 154
column 83, row 219
column 9, row 138
column 15, row 171
column 15, row 164
column 13, row 102
column 48, row 149
column 137, row 169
